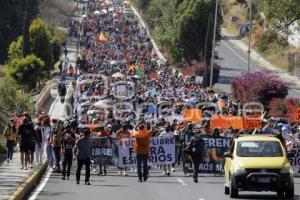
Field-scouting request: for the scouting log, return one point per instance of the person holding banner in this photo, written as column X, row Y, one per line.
column 167, row 134
column 142, row 135
column 123, row 133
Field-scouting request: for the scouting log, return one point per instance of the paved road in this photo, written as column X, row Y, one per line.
column 158, row 187
column 233, row 62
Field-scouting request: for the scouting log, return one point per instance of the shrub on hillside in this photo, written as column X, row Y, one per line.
column 269, row 40
column 27, row 71
column 260, row 86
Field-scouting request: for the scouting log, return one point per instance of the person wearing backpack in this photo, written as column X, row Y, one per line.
column 196, row 149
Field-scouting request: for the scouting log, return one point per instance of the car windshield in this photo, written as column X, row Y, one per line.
column 259, row 149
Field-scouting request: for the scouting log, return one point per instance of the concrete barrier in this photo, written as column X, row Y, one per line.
column 42, row 98
column 68, row 106
column 29, row 183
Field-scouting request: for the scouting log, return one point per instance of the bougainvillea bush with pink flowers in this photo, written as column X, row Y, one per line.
column 259, row 86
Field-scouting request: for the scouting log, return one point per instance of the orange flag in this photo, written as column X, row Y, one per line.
column 192, row 115
column 103, row 38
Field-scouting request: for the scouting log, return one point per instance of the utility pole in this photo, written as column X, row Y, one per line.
column 250, row 36
column 213, row 46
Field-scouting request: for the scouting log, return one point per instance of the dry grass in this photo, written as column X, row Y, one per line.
column 278, row 57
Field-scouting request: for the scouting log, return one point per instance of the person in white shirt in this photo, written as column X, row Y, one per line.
column 167, row 133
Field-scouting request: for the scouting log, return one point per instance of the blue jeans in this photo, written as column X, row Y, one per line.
column 50, row 156
column 10, row 149
column 142, row 160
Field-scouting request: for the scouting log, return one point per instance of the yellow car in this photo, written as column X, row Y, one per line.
column 258, row 163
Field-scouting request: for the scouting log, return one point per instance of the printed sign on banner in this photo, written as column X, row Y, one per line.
column 216, row 147
column 104, row 150
column 162, row 151
column 296, row 114
column 252, row 123
column 294, row 157
column 199, row 79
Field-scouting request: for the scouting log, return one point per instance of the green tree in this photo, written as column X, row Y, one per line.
column 15, row 49
column 30, row 11
column 40, row 42
column 11, row 24
column 56, row 39
column 281, row 13
column 8, row 93
column 142, row 4
column 27, row 71
column 11, row 98
column 194, row 24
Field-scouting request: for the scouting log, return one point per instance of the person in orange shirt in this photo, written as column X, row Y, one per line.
column 123, row 133
column 142, row 134
column 103, row 132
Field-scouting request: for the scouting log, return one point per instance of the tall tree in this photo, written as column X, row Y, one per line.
column 281, row 13
column 15, row 17
column 27, row 71
column 40, row 42
column 195, row 28
column 29, row 13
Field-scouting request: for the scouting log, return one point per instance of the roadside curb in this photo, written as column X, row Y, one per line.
column 24, row 188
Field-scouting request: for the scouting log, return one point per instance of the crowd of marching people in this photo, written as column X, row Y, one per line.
column 125, row 90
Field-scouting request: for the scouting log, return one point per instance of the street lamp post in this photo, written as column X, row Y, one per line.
column 213, row 46
column 250, row 36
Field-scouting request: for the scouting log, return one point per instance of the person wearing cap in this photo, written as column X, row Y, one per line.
column 82, row 151
column 142, row 135
column 10, row 136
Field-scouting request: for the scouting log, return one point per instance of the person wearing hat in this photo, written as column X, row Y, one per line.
column 142, row 135
column 82, row 151
column 10, row 136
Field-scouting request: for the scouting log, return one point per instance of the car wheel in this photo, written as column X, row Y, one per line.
column 289, row 193
column 234, row 192
column 226, row 190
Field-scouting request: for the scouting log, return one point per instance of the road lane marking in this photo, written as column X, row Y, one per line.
column 244, row 60
column 41, row 186
column 181, row 182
